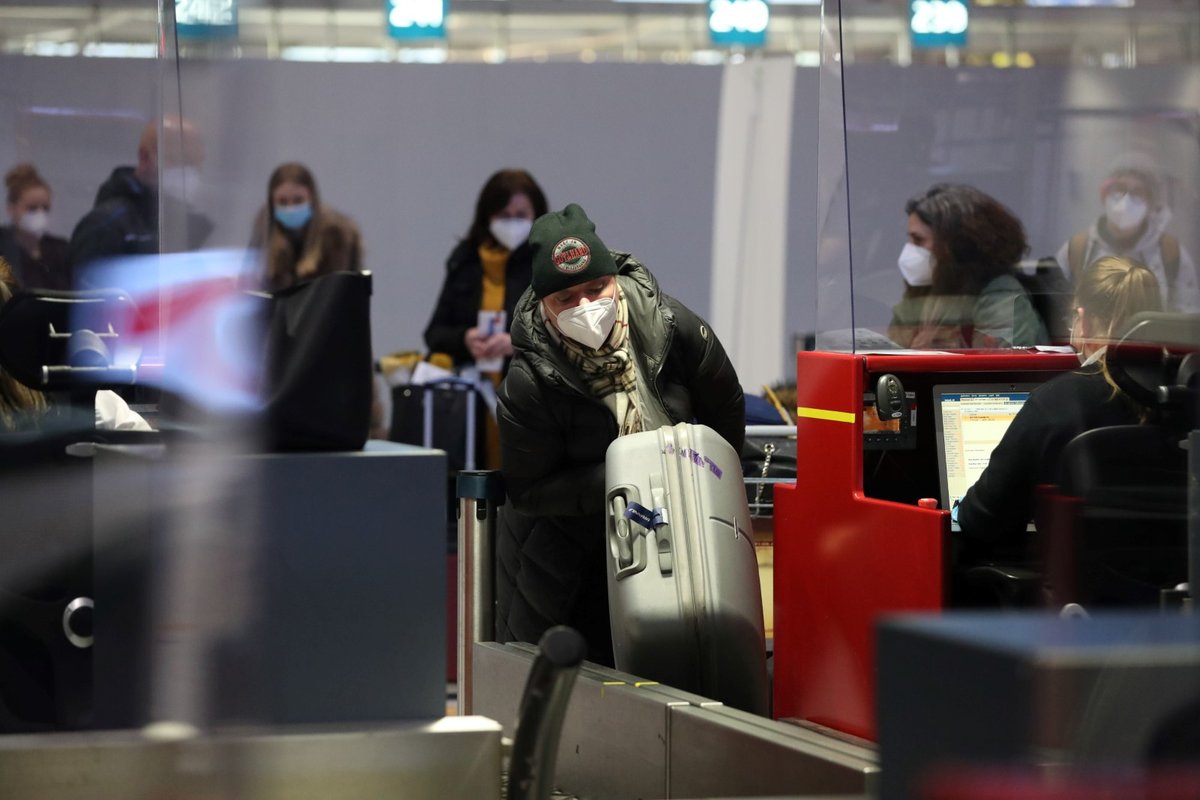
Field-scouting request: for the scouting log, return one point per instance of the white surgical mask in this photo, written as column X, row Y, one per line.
column 511, row 233
column 916, row 265
column 1124, row 211
column 181, row 183
column 590, row 323
column 34, row 223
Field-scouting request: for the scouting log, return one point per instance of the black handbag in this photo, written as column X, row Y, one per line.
column 318, row 364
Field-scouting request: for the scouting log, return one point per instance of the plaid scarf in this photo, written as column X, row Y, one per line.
column 609, row 370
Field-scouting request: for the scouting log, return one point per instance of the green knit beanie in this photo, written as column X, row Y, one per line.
column 567, row 251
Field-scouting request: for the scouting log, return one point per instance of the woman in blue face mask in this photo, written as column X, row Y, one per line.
column 299, row 237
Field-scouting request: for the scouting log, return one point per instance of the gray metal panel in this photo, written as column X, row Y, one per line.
column 723, row 752
column 1032, row 689
column 317, row 594
column 453, row 757
column 355, row 574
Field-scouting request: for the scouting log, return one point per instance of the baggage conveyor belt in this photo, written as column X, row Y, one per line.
column 627, row 738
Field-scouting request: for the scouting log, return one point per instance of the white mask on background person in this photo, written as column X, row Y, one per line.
column 916, row 265
column 35, row 223
column 591, row 323
column 181, row 183
column 1124, row 211
column 511, row 233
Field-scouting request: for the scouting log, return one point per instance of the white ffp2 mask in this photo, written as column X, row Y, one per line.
column 511, row 233
column 1124, row 211
column 591, row 323
column 181, row 183
column 916, row 265
column 34, row 223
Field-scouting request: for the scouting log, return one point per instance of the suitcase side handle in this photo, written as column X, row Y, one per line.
column 627, row 544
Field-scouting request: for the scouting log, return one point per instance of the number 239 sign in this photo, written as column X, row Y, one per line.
column 938, row 23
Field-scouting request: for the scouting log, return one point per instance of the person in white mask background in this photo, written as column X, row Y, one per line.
column 298, row 236
column 599, row 351
column 1134, row 225
column 486, row 273
column 37, row 257
column 166, row 181
column 959, row 268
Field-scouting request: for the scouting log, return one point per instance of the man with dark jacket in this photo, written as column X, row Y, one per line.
column 125, row 217
column 599, row 352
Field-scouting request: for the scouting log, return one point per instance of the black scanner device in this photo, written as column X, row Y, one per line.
column 889, row 398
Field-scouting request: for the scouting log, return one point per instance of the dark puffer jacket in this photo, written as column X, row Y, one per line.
column 124, row 221
column 554, row 435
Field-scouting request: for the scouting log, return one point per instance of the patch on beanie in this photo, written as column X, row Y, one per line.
column 570, row 255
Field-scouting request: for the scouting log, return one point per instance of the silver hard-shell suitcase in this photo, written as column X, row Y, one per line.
column 683, row 593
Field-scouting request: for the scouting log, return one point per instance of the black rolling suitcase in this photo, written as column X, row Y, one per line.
column 447, row 415
column 683, row 589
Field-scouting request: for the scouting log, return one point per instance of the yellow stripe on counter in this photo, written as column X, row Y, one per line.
column 822, row 413
column 640, row 684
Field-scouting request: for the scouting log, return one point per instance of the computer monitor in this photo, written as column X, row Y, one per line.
column 970, row 421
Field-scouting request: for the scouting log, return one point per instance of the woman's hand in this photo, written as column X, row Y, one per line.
column 498, row 345
column 477, row 343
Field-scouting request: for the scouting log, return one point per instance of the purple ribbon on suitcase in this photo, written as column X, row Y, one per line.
column 684, row 601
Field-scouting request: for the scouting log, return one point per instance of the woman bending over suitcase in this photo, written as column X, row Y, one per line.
column 599, row 352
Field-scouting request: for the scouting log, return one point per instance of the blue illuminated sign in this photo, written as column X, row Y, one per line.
column 206, row 19
column 938, row 23
column 416, row 19
column 738, row 22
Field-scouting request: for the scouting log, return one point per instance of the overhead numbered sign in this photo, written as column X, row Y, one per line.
column 938, row 23
column 206, row 19
column 416, row 19
column 738, row 22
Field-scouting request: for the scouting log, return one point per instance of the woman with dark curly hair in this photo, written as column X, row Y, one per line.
column 959, row 268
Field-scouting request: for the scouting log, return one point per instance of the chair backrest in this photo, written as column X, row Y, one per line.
column 1120, row 534
column 1125, row 536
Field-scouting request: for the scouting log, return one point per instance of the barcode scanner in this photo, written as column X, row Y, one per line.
column 889, row 398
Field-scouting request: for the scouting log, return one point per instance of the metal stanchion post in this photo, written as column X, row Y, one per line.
column 480, row 494
column 1193, row 521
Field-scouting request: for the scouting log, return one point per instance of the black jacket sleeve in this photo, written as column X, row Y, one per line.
column 716, row 394
column 457, row 308
column 100, row 234
column 538, row 475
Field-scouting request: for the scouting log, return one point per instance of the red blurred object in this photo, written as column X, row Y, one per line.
column 842, row 559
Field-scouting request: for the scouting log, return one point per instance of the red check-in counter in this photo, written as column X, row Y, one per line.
column 852, row 544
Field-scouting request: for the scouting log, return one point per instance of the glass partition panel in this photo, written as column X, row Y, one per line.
column 78, row 159
column 967, row 185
